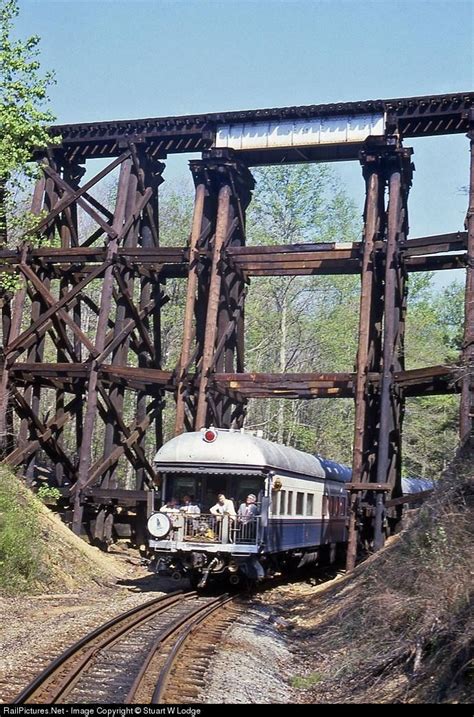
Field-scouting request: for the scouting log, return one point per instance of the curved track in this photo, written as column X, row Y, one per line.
column 156, row 653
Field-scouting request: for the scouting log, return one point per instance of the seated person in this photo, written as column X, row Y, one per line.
column 224, row 506
column 189, row 505
column 171, row 506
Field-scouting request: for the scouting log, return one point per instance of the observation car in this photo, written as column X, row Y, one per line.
column 301, row 515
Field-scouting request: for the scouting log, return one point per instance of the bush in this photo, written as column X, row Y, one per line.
column 49, row 495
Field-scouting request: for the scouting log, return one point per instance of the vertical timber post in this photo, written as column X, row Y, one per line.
column 69, row 238
column 368, row 354
column 215, row 290
column 119, row 354
column 150, row 175
column 192, row 285
column 15, row 315
column 32, row 394
column 85, row 455
column 224, row 317
column 222, row 226
column 378, row 416
column 229, row 355
column 399, row 173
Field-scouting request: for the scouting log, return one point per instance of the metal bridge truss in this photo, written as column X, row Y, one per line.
column 87, row 383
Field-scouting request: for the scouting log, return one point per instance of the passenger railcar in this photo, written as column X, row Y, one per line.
column 302, row 507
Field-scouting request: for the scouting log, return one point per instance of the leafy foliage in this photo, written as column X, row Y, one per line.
column 290, row 322
column 24, row 119
column 49, row 494
column 23, row 97
column 306, row 324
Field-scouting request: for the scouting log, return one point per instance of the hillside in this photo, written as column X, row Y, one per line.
column 400, row 628
column 38, row 553
column 54, row 588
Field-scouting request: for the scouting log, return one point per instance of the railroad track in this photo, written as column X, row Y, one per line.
column 156, row 653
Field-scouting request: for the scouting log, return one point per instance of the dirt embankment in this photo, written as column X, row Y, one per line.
column 400, row 628
column 38, row 553
column 54, row 587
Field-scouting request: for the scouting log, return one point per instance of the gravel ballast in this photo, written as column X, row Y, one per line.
column 253, row 665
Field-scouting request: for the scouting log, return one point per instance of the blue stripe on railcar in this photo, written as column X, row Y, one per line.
column 288, row 534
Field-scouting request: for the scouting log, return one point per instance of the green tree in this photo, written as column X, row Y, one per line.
column 289, row 319
column 24, row 112
column 310, row 324
column 433, row 336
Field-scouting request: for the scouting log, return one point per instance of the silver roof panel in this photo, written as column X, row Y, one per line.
column 235, row 448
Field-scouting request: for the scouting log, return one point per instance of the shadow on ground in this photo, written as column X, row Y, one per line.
column 154, row 583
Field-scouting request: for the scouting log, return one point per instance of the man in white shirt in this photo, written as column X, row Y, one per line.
column 224, row 506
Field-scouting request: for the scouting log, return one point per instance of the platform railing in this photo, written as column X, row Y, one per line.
column 221, row 529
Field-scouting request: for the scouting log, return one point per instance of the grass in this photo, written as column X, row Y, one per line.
column 21, row 564
column 307, row 681
column 38, row 553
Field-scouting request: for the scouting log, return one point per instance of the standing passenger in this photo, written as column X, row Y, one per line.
column 248, row 512
column 248, row 509
column 223, row 506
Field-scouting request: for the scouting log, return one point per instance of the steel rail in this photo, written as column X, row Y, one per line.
column 128, row 620
column 179, row 646
column 189, row 623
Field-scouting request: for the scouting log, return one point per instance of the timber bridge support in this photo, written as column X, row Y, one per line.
column 81, row 335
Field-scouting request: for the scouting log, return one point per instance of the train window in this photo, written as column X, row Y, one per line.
column 282, row 502
column 325, row 506
column 309, row 504
column 343, row 507
column 179, row 486
column 289, row 509
column 274, row 502
column 299, row 503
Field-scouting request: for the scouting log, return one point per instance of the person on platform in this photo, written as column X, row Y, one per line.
column 189, row 505
column 171, row 506
column 249, row 509
column 224, row 506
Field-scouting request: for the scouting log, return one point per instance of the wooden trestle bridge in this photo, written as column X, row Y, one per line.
column 87, row 385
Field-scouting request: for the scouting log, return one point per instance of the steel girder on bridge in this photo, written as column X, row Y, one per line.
column 118, row 353
column 405, row 117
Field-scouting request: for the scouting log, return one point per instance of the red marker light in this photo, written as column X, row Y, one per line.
column 210, row 435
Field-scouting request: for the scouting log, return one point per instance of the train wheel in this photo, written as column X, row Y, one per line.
column 241, row 582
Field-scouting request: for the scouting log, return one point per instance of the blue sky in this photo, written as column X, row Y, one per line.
column 116, row 59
